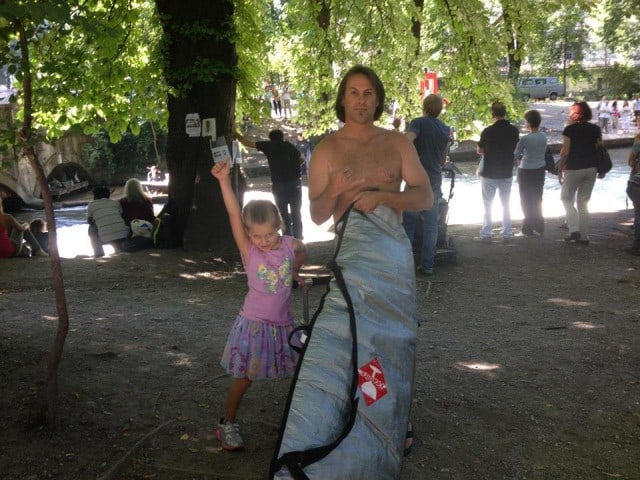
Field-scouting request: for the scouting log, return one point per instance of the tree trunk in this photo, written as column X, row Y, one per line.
column 199, row 68
column 49, row 406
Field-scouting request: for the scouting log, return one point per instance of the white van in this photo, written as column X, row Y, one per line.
column 540, row 87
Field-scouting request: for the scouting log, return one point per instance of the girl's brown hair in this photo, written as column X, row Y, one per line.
column 261, row 212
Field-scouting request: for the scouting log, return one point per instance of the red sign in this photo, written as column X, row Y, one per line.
column 429, row 84
column 372, row 382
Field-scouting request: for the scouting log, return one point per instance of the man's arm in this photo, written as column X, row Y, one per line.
column 246, row 142
column 564, row 154
column 482, row 142
column 325, row 183
column 417, row 194
column 14, row 224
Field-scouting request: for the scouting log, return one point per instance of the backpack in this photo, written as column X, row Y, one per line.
column 163, row 234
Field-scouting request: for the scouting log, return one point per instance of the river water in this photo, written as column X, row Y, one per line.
column 465, row 206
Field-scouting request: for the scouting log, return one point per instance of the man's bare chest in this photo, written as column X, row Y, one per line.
column 374, row 162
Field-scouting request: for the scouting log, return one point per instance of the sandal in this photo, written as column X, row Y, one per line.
column 408, row 442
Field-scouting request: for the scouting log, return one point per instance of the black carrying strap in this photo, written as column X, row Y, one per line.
column 296, row 461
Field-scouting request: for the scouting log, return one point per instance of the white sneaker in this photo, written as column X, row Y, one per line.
column 229, row 435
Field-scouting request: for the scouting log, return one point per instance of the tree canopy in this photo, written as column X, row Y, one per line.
column 99, row 63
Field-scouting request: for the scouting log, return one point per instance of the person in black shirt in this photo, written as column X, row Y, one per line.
column 497, row 144
column 286, row 185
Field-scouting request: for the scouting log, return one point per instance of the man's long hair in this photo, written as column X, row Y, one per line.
column 375, row 81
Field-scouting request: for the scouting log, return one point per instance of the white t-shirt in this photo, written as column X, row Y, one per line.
column 107, row 214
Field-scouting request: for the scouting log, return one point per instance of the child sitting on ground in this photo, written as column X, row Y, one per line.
column 39, row 230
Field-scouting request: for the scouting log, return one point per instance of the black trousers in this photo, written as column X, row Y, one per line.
column 288, row 197
column 531, row 185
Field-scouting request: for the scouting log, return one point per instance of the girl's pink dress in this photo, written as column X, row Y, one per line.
column 258, row 345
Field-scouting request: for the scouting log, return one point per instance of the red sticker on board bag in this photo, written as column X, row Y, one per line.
column 372, row 382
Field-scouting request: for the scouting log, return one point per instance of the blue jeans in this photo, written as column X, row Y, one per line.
column 489, row 187
column 429, row 229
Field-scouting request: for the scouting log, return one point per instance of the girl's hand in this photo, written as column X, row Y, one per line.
column 221, row 170
column 300, row 280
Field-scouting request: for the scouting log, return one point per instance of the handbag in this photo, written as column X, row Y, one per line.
column 603, row 160
column 550, row 164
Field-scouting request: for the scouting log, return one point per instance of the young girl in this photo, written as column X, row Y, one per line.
column 258, row 346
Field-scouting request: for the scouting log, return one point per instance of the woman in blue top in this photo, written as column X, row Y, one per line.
column 529, row 154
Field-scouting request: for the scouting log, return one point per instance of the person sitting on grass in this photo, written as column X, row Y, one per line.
column 13, row 235
column 106, row 224
column 38, row 228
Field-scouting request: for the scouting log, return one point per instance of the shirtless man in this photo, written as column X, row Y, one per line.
column 365, row 165
column 361, row 163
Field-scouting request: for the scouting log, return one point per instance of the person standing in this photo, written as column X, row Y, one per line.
column 529, row 154
column 604, row 114
column 355, row 179
column 286, row 183
column 633, row 190
column 431, row 137
column 625, row 118
column 497, row 144
column 636, row 110
column 577, row 170
column 286, row 100
column 277, row 104
column 258, row 347
column 304, row 147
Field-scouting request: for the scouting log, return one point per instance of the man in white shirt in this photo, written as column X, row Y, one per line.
column 106, row 224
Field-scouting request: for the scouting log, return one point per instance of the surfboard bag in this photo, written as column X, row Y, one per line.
column 348, row 407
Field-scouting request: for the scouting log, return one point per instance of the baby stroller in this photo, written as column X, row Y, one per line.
column 445, row 248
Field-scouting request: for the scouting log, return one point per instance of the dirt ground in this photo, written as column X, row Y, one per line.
column 528, row 364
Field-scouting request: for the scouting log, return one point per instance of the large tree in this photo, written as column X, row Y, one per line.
column 49, row 46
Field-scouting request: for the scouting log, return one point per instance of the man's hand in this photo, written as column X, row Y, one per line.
column 366, row 202
column 342, row 181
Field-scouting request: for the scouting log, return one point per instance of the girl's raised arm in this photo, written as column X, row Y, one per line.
column 221, row 171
